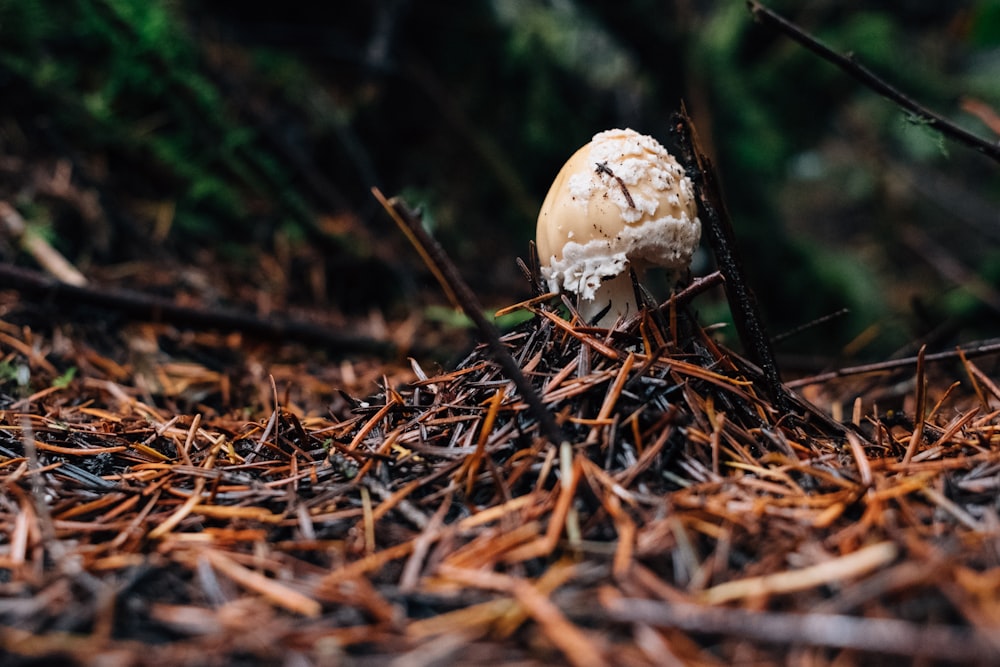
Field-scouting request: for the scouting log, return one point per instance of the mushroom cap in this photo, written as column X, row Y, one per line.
column 620, row 200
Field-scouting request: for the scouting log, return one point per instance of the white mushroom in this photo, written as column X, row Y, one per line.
column 620, row 201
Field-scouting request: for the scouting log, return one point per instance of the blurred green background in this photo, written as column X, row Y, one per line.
column 243, row 138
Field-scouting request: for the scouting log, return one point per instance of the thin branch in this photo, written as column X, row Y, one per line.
column 141, row 306
column 38, row 492
column 462, row 297
column 719, row 232
column 852, row 67
column 920, row 410
column 976, row 350
column 778, row 338
column 697, row 286
column 685, row 295
column 35, row 245
column 877, row 635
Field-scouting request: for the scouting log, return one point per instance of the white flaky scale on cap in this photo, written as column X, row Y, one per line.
column 620, row 201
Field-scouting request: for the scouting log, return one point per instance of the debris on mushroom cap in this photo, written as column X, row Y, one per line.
column 620, row 200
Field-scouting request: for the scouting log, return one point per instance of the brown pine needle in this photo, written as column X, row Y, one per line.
column 875, row 635
column 274, row 591
column 575, row 645
column 840, row 569
column 371, row 506
column 920, row 409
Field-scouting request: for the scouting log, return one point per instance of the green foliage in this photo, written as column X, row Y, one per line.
column 65, row 379
column 966, row 302
column 919, row 139
column 569, row 38
column 985, row 24
column 474, row 106
column 871, row 37
column 779, row 110
column 125, row 77
column 456, row 319
column 18, row 373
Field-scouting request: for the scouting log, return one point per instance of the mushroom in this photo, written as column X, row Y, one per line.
column 621, row 201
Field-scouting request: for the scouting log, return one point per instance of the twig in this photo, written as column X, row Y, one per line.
column 844, row 568
column 848, row 64
column 275, row 591
column 35, row 245
column 785, row 335
column 877, row 635
column 603, row 168
column 462, row 297
column 576, row 645
column 719, row 231
column 697, row 286
column 38, row 491
column 920, row 409
column 978, row 350
column 141, row 306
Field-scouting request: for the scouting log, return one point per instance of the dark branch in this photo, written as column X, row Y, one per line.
column 461, row 296
column 888, row 636
column 721, row 238
column 980, row 349
column 603, row 168
column 848, row 64
column 140, row 306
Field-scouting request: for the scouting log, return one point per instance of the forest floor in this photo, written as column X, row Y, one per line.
column 234, row 432
column 176, row 495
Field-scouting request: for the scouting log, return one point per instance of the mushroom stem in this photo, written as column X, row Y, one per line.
column 616, row 292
